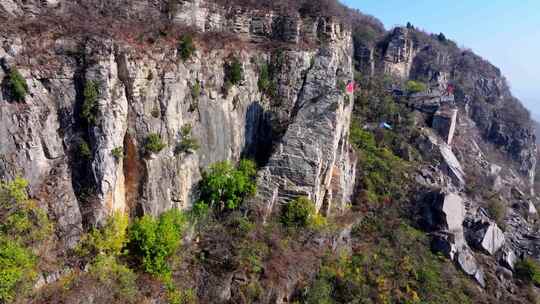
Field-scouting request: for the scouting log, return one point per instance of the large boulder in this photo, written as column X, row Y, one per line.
column 452, row 165
column 436, row 149
column 444, row 122
column 468, row 263
column 487, row 237
column 444, row 211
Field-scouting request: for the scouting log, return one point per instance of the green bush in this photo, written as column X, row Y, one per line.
column 154, row 240
column 196, row 90
column 118, row 153
column 154, row 143
column 301, row 213
column 108, row 240
column 528, row 270
column 415, row 86
column 23, row 220
column 18, row 85
column 200, row 210
column 186, row 47
column 23, row 225
column 234, row 72
column 90, row 105
column 225, row 187
column 175, row 296
column 264, row 81
column 187, row 143
column 17, row 269
column 382, row 173
column 116, row 277
column 84, row 150
column 102, row 247
column 251, row 255
column 341, row 86
column 497, row 210
column 268, row 73
column 320, row 292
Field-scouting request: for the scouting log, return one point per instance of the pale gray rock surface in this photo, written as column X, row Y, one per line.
column 151, row 92
column 489, row 237
column 313, row 157
column 444, row 122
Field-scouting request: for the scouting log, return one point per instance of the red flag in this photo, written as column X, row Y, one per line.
column 350, row 87
column 450, row 89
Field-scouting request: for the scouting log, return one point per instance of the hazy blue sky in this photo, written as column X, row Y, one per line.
column 506, row 32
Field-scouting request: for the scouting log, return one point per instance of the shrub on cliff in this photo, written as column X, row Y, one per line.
column 528, row 270
column 415, row 86
column 268, row 73
column 18, row 85
column 225, row 187
column 115, row 277
column 23, row 225
column 102, row 249
column 118, row 153
column 264, row 78
column 90, row 105
column 234, row 71
column 497, row 210
column 17, row 269
column 301, row 213
column 84, row 150
column 108, row 240
column 187, row 143
column 22, row 218
column 153, row 240
column 186, row 47
column 390, row 262
column 154, row 143
column 382, row 172
column 196, row 90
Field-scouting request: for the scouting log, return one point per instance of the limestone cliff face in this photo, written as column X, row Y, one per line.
column 140, row 93
column 473, row 132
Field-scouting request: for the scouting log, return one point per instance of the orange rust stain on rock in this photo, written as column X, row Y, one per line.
column 132, row 174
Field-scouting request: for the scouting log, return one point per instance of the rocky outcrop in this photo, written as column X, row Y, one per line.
column 444, row 122
column 399, row 53
column 313, row 158
column 436, row 149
